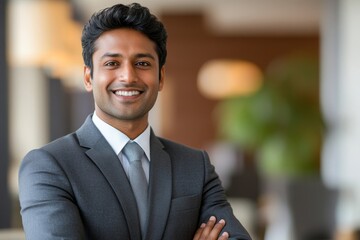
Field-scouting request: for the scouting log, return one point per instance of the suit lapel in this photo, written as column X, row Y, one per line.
column 159, row 189
column 106, row 160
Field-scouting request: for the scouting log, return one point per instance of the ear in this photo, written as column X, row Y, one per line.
column 87, row 79
column 162, row 78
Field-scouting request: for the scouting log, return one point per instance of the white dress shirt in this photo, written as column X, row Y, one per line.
column 118, row 140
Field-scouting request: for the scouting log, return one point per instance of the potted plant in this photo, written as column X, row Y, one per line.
column 282, row 126
column 281, row 123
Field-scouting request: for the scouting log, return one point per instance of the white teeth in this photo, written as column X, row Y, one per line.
column 127, row 93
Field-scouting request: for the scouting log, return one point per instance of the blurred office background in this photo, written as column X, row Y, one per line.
column 268, row 87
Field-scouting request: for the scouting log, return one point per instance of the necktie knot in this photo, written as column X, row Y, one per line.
column 133, row 152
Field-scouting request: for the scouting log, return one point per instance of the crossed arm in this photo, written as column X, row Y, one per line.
column 215, row 205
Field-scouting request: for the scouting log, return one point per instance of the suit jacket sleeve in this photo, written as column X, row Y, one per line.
column 215, row 204
column 47, row 207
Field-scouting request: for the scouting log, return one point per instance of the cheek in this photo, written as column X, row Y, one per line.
column 97, row 87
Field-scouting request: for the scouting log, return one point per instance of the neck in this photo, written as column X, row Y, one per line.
column 131, row 128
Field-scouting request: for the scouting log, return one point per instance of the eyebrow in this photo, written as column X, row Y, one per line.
column 138, row 55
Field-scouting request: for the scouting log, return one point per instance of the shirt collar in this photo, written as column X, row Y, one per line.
column 118, row 140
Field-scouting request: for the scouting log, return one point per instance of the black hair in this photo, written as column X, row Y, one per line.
column 133, row 16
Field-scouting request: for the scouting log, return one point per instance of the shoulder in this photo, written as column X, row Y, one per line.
column 54, row 149
column 180, row 151
column 46, row 158
column 62, row 144
column 87, row 135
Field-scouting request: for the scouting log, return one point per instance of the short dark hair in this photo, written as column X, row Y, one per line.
column 133, row 16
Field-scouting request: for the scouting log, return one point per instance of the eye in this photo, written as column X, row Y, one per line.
column 143, row 64
column 111, row 63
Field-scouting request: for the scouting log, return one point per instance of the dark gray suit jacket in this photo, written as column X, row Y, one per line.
column 76, row 188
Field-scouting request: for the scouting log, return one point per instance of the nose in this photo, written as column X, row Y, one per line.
column 127, row 73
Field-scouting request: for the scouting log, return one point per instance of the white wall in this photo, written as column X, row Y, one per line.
column 341, row 105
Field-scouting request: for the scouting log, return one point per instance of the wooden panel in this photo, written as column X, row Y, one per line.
column 190, row 44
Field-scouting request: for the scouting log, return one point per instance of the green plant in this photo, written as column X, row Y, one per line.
column 281, row 123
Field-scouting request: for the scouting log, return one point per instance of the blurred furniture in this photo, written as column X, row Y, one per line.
column 312, row 208
column 12, row 234
column 245, row 211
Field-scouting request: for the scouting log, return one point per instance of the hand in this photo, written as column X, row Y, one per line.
column 211, row 230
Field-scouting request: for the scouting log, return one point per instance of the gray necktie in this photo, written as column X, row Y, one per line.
column 138, row 181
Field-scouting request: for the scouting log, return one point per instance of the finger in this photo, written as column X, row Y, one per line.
column 224, row 236
column 216, row 230
column 219, row 226
column 209, row 227
column 199, row 231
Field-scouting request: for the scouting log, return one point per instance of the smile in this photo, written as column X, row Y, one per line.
column 127, row 93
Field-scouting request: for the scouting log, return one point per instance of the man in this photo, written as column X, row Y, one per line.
column 85, row 186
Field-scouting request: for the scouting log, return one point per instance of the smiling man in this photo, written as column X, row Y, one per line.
column 127, row 77
column 114, row 178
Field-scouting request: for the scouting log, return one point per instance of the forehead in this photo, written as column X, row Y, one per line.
column 124, row 41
